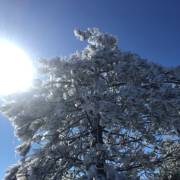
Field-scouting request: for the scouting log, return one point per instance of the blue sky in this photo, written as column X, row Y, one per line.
column 44, row 29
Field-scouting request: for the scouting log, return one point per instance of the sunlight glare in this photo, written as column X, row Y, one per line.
column 16, row 70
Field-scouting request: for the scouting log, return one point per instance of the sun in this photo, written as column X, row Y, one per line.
column 16, row 69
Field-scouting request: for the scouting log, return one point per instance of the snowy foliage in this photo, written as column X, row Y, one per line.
column 100, row 113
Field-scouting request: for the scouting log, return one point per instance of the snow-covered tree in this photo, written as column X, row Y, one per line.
column 99, row 114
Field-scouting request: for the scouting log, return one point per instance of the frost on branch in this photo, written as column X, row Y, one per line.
column 96, row 38
column 23, row 149
column 98, row 43
column 11, row 172
column 100, row 113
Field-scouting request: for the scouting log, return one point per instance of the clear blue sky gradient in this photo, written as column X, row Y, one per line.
column 44, row 29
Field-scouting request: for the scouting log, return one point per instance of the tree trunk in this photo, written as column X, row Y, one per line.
column 100, row 161
column 100, row 155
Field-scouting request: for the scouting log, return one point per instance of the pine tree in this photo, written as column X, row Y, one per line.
column 98, row 114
